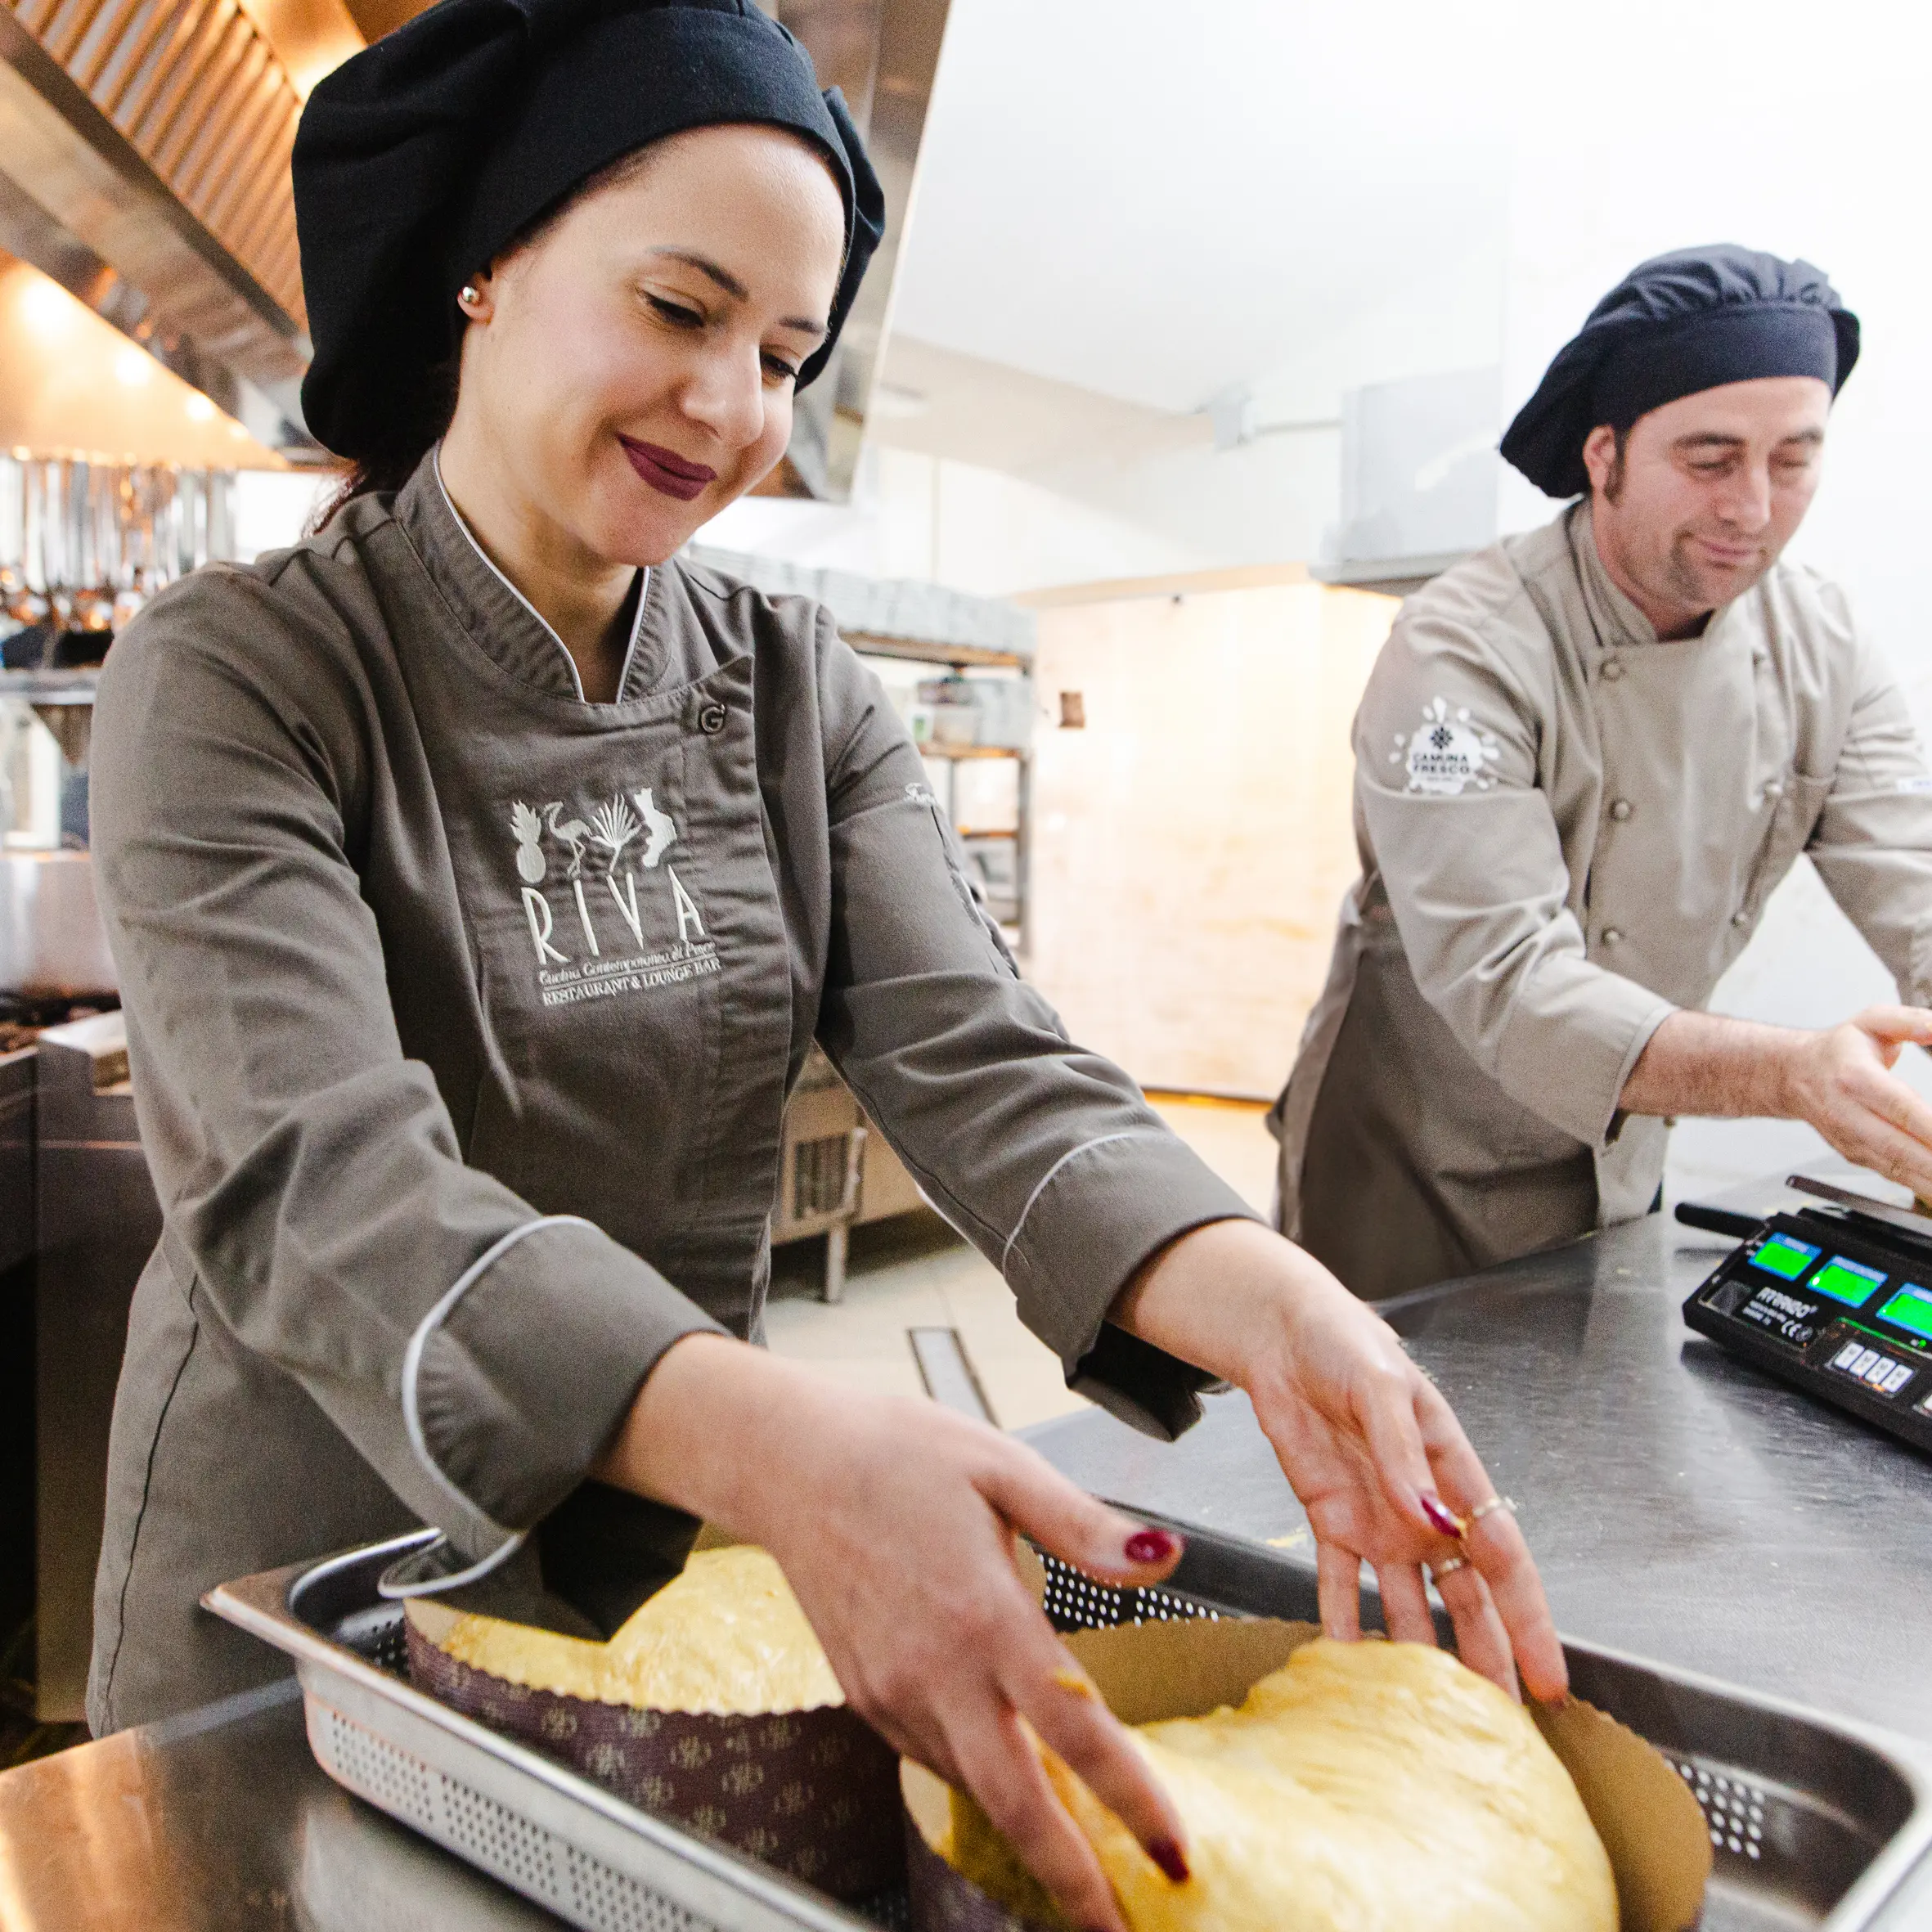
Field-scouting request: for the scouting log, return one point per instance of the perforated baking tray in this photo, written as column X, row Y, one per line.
column 1815, row 1822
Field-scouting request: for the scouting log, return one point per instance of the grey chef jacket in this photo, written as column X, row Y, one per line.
column 461, row 1014
column 1568, row 829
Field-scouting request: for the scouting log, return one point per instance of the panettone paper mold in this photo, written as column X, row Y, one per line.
column 811, row 1792
column 1650, row 1826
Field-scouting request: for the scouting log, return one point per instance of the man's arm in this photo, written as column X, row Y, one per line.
column 1838, row 1079
column 1873, row 842
column 1447, row 788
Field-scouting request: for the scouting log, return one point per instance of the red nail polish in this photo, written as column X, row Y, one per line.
column 1151, row 1546
column 1441, row 1516
column 1171, row 1858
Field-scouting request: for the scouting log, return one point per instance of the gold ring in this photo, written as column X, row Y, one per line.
column 1448, row 1567
column 1489, row 1508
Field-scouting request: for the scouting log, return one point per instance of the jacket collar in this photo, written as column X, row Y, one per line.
column 1615, row 618
column 501, row 620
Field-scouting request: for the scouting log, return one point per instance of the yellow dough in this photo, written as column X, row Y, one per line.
column 726, row 1636
column 1365, row 1785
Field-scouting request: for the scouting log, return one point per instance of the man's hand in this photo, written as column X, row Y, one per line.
column 1839, row 1081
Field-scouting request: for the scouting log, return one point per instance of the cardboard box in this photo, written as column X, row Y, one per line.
column 1650, row 1826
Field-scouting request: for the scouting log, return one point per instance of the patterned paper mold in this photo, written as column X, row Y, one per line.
column 815, row 1793
column 943, row 1901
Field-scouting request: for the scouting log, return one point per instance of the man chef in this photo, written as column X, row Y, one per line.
column 1585, row 758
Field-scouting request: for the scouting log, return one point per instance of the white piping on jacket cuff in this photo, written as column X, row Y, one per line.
column 1040, row 1188
column 434, row 1586
column 412, row 1357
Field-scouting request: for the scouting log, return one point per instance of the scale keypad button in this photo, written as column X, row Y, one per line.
column 1861, row 1362
column 1847, row 1355
column 1900, row 1376
column 1879, row 1370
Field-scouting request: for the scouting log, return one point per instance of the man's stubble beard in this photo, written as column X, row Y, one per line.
column 1691, row 584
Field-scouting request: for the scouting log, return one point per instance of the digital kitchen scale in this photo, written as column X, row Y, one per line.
column 1836, row 1300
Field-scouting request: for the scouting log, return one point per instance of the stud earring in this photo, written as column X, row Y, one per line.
column 468, row 295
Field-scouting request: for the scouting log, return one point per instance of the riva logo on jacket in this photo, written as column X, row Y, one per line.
column 597, row 859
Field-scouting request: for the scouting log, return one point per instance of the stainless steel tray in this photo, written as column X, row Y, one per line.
column 1815, row 1822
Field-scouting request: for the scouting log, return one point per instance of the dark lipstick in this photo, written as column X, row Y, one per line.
column 665, row 471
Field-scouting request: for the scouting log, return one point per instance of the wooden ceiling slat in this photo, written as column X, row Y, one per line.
column 255, row 136
column 201, row 94
column 68, row 26
column 199, row 173
column 185, row 68
column 199, row 103
column 149, row 82
column 96, row 42
column 131, row 56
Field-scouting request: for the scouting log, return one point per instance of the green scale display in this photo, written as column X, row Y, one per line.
column 1836, row 1299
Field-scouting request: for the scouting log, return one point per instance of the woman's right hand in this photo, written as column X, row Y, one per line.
column 894, row 1521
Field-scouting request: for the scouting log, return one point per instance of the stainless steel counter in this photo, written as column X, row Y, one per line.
column 220, row 1821
column 1681, row 1506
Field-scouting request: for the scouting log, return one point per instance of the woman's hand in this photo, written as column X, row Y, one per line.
column 894, row 1521
column 1366, row 1441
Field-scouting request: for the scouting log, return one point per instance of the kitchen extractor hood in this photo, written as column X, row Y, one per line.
column 144, row 150
column 883, row 54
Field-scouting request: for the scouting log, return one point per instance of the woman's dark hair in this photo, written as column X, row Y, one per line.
column 385, row 469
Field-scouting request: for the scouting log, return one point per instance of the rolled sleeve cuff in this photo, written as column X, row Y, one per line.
column 1099, row 1213
column 518, row 1377
column 1572, row 1066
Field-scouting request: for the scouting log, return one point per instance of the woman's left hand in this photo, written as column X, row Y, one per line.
column 1368, row 1443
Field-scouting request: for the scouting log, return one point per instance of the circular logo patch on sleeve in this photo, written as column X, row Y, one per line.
column 1447, row 752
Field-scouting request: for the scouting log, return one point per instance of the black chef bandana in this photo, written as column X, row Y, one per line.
column 1675, row 325
column 417, row 160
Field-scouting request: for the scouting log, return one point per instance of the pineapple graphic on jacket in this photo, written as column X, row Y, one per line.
column 529, row 829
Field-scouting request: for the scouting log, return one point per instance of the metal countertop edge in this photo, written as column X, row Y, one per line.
column 726, row 1881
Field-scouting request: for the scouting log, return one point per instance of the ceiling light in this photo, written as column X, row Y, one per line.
column 201, row 410
column 133, row 367
column 46, row 308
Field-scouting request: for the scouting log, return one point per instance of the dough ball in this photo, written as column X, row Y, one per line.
column 1363, row 1785
column 727, row 1636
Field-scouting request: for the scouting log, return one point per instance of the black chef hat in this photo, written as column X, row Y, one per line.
column 1675, row 325
column 418, row 159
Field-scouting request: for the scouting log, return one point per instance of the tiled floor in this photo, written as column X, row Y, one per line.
column 915, row 1273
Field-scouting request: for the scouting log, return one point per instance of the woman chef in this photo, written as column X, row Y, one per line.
column 479, row 875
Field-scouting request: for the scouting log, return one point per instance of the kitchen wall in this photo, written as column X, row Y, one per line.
column 1192, row 840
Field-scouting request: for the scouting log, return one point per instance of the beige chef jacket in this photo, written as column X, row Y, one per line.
column 1568, row 829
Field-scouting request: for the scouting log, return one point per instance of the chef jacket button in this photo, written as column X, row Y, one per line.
column 711, row 721
column 1619, row 809
column 1613, row 669
column 1774, row 790
column 1740, row 919
column 1612, row 936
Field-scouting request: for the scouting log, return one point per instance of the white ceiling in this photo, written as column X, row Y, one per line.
column 1157, row 202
